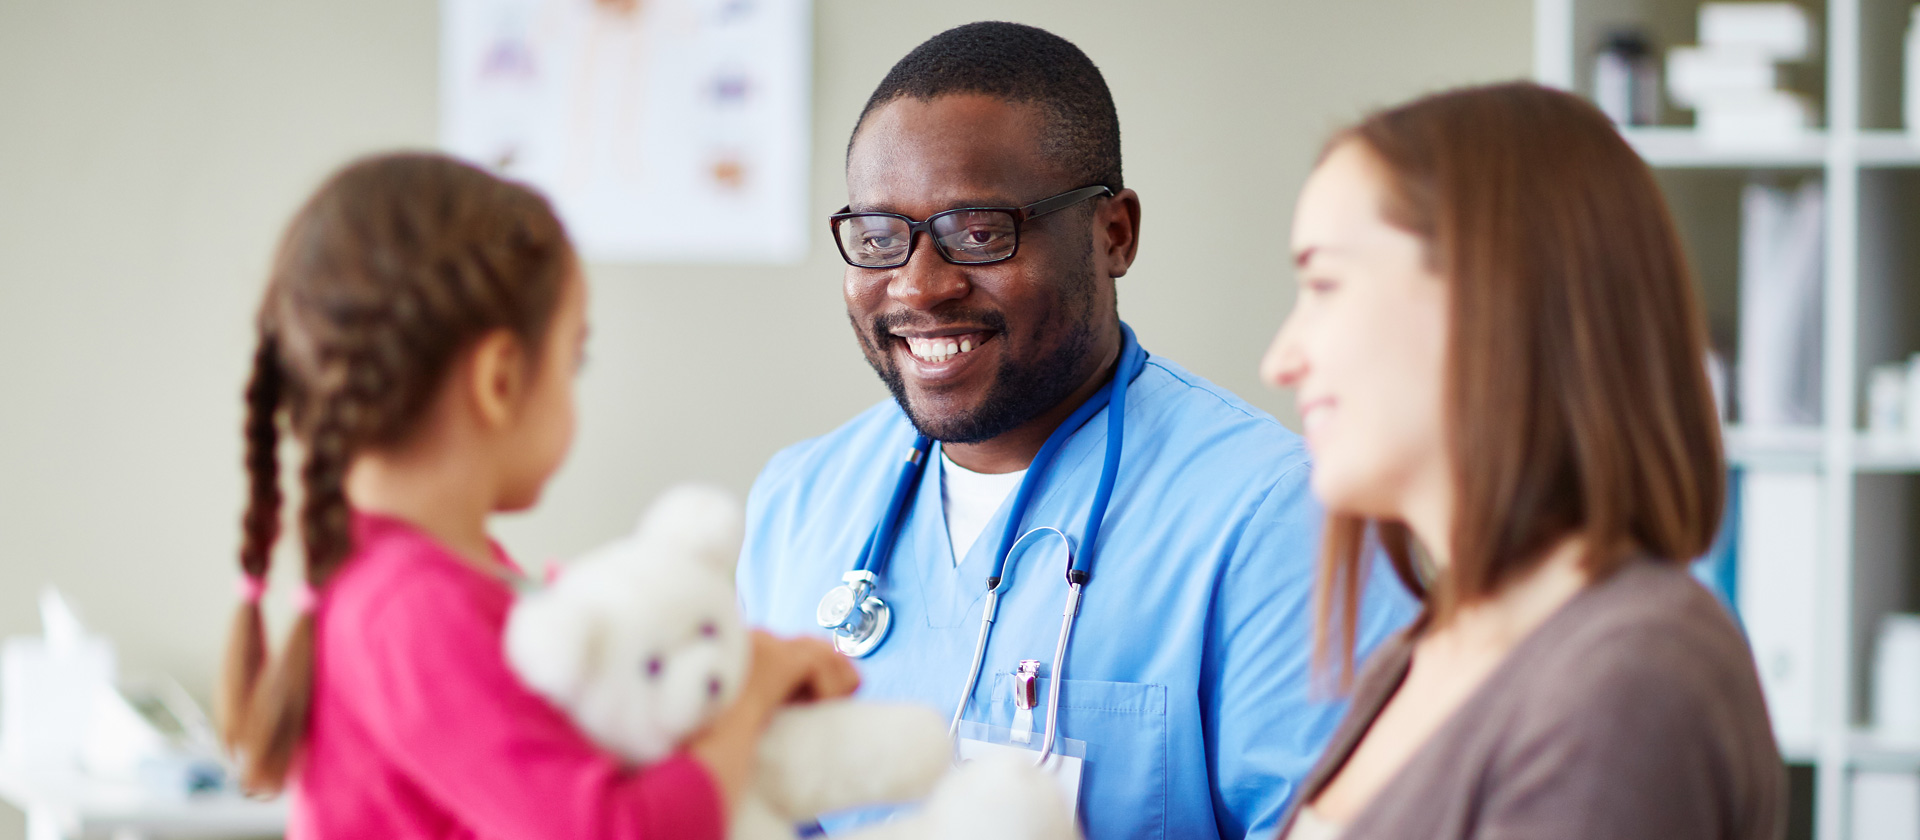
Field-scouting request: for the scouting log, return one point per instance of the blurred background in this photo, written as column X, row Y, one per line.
column 150, row 154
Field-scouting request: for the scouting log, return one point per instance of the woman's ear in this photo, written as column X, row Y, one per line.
column 497, row 377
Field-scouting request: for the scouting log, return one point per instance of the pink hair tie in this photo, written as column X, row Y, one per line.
column 305, row 598
column 251, row 587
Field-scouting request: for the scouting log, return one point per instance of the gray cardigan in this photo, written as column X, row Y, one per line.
column 1632, row 712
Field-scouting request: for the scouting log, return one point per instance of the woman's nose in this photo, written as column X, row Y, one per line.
column 1283, row 364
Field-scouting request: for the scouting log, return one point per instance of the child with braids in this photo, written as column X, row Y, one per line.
column 419, row 337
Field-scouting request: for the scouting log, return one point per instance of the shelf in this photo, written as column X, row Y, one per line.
column 1797, row 450
column 92, row 807
column 1680, row 147
column 1863, row 175
column 1868, row 752
column 1804, row 753
column 1874, row 455
column 1888, row 149
column 1803, row 450
column 1865, row 751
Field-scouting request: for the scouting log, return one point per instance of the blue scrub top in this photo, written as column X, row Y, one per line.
column 1188, row 676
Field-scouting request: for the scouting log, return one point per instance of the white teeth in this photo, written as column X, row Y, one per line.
column 1314, row 418
column 937, row 350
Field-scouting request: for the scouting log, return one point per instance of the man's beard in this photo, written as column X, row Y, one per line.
column 1020, row 390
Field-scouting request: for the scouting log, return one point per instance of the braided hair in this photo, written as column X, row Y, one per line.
column 397, row 265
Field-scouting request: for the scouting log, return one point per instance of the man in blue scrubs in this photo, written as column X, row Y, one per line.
column 1188, row 675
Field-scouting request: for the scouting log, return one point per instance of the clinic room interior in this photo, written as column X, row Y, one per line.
column 595, row 418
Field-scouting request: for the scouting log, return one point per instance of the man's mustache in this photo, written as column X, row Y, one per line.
column 884, row 326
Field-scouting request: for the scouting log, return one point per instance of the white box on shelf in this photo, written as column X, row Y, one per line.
column 1778, row 547
column 1778, row 30
column 1886, row 806
column 1698, row 75
column 1765, row 119
column 1896, row 680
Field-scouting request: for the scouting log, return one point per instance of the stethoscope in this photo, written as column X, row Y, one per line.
column 860, row 619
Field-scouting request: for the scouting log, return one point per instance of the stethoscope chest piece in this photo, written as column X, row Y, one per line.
column 858, row 618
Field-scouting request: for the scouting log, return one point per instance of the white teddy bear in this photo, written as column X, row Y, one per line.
column 641, row 643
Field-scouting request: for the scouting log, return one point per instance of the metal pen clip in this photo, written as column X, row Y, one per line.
column 1026, row 688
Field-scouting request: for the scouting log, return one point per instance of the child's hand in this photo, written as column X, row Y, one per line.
column 798, row 669
column 782, row 671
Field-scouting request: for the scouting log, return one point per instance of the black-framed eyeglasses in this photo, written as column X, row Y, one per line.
column 962, row 236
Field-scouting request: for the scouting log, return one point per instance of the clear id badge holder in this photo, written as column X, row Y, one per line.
column 1020, row 742
column 1064, row 766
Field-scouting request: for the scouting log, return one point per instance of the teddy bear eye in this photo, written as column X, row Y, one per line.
column 709, row 630
column 653, row 666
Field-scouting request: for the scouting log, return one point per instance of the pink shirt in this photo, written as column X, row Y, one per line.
column 419, row 729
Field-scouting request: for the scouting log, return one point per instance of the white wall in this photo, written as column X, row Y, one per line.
column 150, row 152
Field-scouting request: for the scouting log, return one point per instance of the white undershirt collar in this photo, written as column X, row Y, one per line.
column 970, row 499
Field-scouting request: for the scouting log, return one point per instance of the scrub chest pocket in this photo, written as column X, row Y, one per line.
column 1123, row 789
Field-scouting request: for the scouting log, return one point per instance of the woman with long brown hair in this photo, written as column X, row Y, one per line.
column 1497, row 355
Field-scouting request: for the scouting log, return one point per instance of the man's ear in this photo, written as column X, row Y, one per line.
column 1117, row 228
column 497, row 377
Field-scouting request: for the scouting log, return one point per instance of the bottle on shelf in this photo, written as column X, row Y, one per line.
column 1626, row 78
column 1886, row 403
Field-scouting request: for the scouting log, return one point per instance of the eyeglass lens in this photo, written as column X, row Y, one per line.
column 963, row 236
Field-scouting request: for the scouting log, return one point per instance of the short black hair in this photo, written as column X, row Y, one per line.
column 1023, row 64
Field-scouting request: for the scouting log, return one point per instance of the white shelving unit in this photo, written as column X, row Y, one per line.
column 1672, row 147
column 1839, row 154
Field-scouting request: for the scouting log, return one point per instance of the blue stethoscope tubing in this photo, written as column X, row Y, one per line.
column 1080, row 565
column 853, row 601
column 879, row 548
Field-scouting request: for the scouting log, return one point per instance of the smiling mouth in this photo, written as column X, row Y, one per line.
column 1315, row 413
column 938, row 349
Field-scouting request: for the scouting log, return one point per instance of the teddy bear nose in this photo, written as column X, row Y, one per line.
column 713, row 687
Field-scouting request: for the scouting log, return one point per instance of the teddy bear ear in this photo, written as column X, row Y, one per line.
column 697, row 519
column 552, row 643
